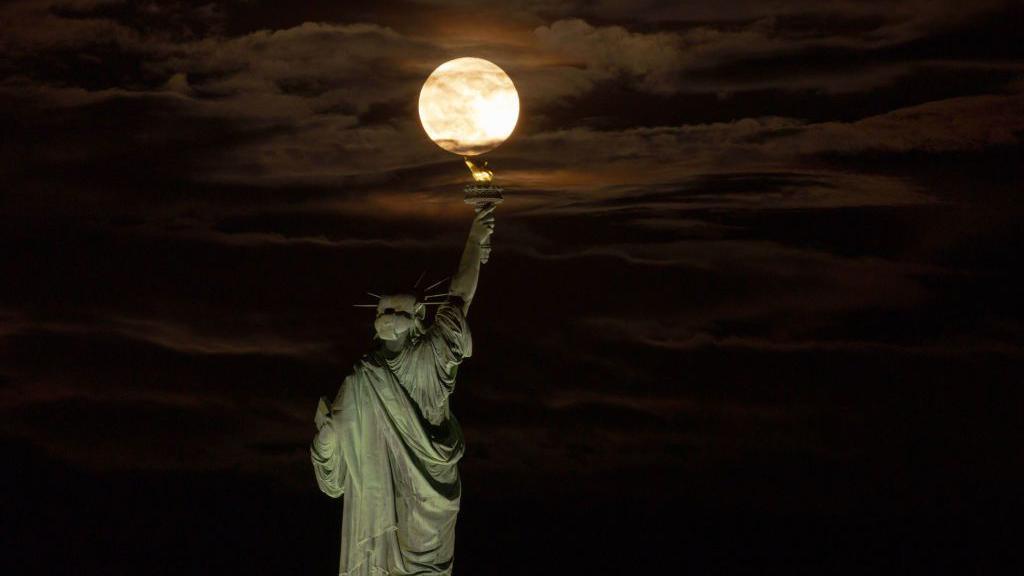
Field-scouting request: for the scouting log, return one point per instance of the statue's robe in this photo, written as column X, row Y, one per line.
column 391, row 446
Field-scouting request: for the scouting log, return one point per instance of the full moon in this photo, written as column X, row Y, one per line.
column 468, row 106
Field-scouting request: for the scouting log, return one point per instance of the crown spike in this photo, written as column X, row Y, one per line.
column 435, row 284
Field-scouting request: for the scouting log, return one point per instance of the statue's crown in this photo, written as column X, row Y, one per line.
column 422, row 296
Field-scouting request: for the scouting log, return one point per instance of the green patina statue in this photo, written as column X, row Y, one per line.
column 389, row 442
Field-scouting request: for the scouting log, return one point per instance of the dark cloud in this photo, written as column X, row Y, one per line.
column 321, row 103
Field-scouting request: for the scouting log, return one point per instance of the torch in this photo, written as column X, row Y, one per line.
column 469, row 106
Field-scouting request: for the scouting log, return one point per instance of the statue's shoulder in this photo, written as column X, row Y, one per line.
column 370, row 361
column 358, row 377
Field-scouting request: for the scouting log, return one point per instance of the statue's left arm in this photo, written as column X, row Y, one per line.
column 328, row 461
column 463, row 286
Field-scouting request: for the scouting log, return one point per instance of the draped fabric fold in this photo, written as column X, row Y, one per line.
column 391, row 446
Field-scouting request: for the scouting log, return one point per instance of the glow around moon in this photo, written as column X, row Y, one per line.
column 468, row 106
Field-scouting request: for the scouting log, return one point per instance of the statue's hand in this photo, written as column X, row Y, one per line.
column 323, row 413
column 483, row 225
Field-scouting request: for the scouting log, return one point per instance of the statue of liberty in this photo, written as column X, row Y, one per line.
column 389, row 443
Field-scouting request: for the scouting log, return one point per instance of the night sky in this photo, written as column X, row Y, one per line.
column 753, row 305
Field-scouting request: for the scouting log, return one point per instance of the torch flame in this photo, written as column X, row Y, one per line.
column 480, row 174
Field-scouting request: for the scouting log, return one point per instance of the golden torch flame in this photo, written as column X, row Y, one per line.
column 480, row 174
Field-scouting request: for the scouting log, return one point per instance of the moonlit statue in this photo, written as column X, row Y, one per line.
column 389, row 443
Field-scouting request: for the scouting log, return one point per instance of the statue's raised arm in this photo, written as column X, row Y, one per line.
column 463, row 286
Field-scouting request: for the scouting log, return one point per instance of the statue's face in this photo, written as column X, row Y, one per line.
column 396, row 314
